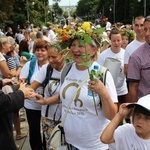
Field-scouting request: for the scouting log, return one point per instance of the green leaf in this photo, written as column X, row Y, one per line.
column 93, row 72
column 99, row 31
column 87, row 64
column 85, row 56
column 91, row 76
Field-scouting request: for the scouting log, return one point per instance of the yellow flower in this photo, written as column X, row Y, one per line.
column 79, row 28
column 86, row 26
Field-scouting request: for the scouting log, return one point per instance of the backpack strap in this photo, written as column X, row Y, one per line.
column 103, row 70
column 49, row 72
column 31, row 68
column 63, row 74
column 65, row 71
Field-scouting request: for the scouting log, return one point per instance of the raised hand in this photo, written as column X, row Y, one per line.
column 123, row 110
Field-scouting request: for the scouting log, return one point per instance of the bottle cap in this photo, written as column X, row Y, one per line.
column 96, row 67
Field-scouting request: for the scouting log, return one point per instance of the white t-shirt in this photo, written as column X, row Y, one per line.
column 31, row 46
column 30, row 104
column 2, row 58
column 121, row 85
column 20, row 37
column 127, row 139
column 51, row 35
column 52, row 88
column 82, row 126
column 46, row 38
column 108, row 25
column 131, row 47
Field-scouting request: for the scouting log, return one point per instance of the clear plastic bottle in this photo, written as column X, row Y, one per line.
column 96, row 67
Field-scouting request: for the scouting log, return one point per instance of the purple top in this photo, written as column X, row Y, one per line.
column 139, row 69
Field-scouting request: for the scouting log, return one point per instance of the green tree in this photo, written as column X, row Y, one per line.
column 87, row 9
column 57, row 9
column 125, row 10
column 16, row 12
column 65, row 14
column 6, row 12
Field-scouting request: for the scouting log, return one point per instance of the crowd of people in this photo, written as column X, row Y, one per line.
column 33, row 75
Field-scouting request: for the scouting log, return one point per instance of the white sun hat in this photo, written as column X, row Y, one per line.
column 143, row 102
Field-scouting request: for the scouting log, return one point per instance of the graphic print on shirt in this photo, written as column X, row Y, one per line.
column 53, row 86
column 77, row 94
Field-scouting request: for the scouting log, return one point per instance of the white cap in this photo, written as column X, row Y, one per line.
column 143, row 102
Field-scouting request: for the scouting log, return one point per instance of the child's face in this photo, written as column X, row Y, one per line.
column 141, row 123
column 125, row 41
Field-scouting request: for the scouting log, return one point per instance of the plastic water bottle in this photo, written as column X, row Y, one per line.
column 96, row 67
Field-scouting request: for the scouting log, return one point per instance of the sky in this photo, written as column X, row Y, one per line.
column 65, row 2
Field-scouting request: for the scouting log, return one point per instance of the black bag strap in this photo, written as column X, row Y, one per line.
column 65, row 71
column 63, row 74
column 49, row 72
column 55, row 115
column 104, row 71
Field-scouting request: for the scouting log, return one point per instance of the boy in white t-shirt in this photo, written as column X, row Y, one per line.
column 134, row 136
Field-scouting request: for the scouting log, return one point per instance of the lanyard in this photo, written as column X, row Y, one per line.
column 57, row 82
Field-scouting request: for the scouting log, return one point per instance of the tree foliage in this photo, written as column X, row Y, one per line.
column 125, row 10
column 6, row 11
column 14, row 12
column 86, row 9
column 58, row 11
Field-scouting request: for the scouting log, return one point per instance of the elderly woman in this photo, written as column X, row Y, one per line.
column 4, row 49
column 83, row 126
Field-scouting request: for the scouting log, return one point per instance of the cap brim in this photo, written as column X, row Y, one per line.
column 132, row 105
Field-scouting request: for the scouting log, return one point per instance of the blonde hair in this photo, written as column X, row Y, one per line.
column 17, row 48
column 3, row 40
column 33, row 35
column 57, row 48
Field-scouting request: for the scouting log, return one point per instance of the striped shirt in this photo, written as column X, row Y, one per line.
column 139, row 69
column 10, row 62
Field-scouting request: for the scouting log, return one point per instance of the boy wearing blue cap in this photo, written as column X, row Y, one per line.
column 134, row 136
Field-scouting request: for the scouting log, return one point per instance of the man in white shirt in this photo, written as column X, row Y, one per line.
column 108, row 24
column 51, row 34
column 139, row 29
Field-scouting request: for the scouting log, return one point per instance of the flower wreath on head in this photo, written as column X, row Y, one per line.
column 129, row 33
column 84, row 34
